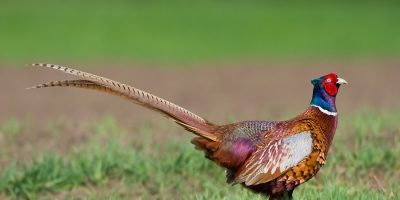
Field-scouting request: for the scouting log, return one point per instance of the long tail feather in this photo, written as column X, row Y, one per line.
column 183, row 117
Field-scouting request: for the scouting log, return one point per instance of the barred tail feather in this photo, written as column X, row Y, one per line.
column 183, row 117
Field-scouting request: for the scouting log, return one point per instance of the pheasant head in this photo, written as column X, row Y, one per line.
column 325, row 90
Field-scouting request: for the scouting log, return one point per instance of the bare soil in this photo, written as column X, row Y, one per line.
column 218, row 93
column 61, row 119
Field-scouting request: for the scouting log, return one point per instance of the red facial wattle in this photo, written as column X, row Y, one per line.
column 329, row 84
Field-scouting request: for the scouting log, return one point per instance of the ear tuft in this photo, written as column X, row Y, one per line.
column 314, row 82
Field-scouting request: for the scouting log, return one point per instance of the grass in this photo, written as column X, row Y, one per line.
column 179, row 31
column 113, row 163
column 11, row 127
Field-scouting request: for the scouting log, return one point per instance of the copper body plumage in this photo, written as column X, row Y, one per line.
column 268, row 157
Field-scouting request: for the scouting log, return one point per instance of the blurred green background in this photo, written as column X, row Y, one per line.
column 197, row 31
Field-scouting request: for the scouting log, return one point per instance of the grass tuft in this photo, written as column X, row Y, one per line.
column 363, row 164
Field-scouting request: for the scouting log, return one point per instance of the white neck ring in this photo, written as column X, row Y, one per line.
column 325, row 111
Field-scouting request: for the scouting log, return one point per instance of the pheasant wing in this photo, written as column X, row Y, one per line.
column 272, row 160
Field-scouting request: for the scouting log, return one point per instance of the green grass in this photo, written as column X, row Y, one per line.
column 11, row 127
column 181, row 31
column 363, row 164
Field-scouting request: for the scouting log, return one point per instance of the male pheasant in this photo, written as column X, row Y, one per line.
column 268, row 157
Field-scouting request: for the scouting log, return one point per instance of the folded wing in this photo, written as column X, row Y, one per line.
column 272, row 160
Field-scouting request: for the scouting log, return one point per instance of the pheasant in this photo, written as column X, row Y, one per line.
column 267, row 157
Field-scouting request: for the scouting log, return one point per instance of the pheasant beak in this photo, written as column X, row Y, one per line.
column 341, row 81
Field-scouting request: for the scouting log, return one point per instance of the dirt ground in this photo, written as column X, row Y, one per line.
column 218, row 93
column 221, row 94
